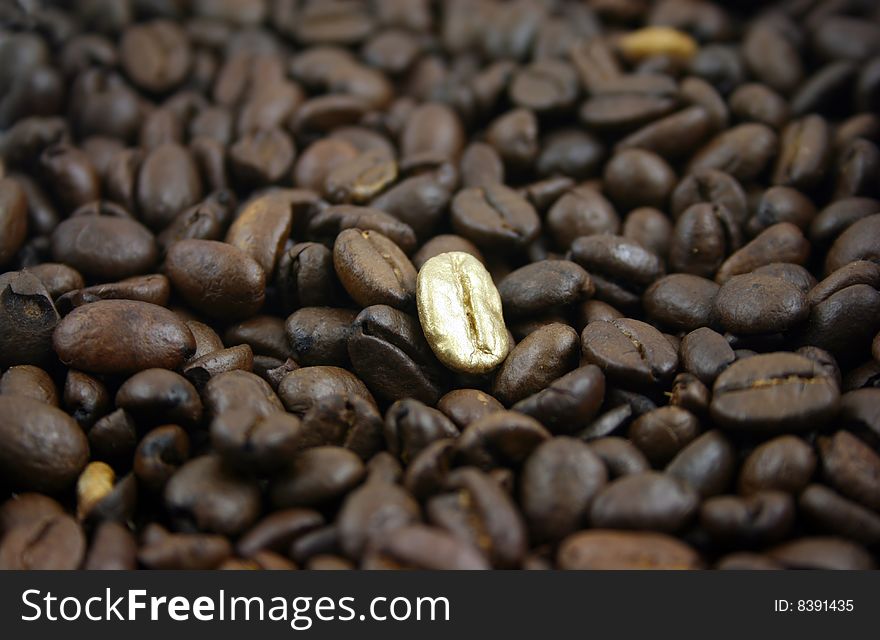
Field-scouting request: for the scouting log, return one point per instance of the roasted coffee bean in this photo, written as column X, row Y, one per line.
column 704, row 235
column 768, row 393
column 543, row 356
column 432, row 129
column 411, row 426
column 712, row 186
column 706, row 464
column 317, row 476
column 844, row 321
column 515, row 136
column 419, row 201
column 681, row 301
column 858, row 242
column 838, row 216
column 372, row 512
column 481, row 513
column 688, row 392
column 58, row 278
column 304, row 388
column 662, row 433
column 156, row 55
column 329, row 222
column 755, row 304
column 104, row 246
column 165, row 550
column 261, row 157
column 630, row 352
column 743, row 151
column 69, row 171
column 501, row 438
column 30, row 382
column 319, row 159
column 155, row 289
column 581, row 211
column 757, row 519
column 794, row 274
column 445, row 243
column 461, row 313
column 804, row 153
column 464, row 406
column 160, row 396
column 638, row 178
column 649, row 501
column 236, row 390
column 559, row 481
column 373, row 269
column 390, row 354
column 599, row 549
column 200, row 370
column 852, row 467
column 822, row 553
column 833, row 513
column 706, row 354
column 260, row 444
column 263, row 226
column 620, row 456
column 306, row 277
column 265, row 335
column 113, row 548
column 13, row 219
column 167, row 183
column 495, row 217
column 568, row 403
column 544, row 286
column 860, row 408
column 319, row 335
column 203, row 495
column 782, row 242
column 277, row 531
column 218, row 279
column 360, row 179
column 52, row 542
column 114, row 437
column 650, row 228
column 44, row 449
column 421, row 547
column 620, row 268
column 754, row 102
column 203, row 221
column 159, row 454
column 121, row 336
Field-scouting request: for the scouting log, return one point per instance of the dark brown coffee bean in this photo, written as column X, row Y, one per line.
column 543, row 356
column 543, row 286
column 638, row 178
column 371, row 513
column 218, row 279
column 582, row 211
column 411, row 426
column 432, row 129
column 319, row 335
column 265, row 335
column 155, row 289
column 481, row 513
column 704, row 235
column 712, row 186
column 278, row 530
column 239, row 389
column 804, row 153
column 843, row 318
column 160, row 396
column 200, row 370
column 754, row 102
column 822, row 553
column 620, row 268
column 304, row 388
column 650, row 228
column 167, row 183
column 263, row 226
column 743, row 151
column 114, row 437
column 681, row 301
column 328, row 223
column 184, row 550
column 444, row 243
column 258, row 444
column 373, row 269
column 158, row 456
column 203, row 221
column 689, row 393
column 30, row 382
column 156, row 55
column 13, row 219
column 782, row 242
column 662, row 433
column 261, row 157
column 113, row 548
column 568, row 402
column 672, row 136
column 794, row 274
column 320, row 158
column 306, row 277
column 651, row 501
column 203, row 495
column 625, row 550
column 833, row 513
column 630, row 352
column 71, row 174
column 570, row 152
column 755, row 304
column 121, row 336
column 464, row 406
column 545, row 86
column 706, row 354
column 502, row 438
column 421, row 547
column 515, row 136
column 44, row 449
column 52, row 542
column 785, row 463
column 384, row 340
column 559, row 481
column 58, row 278
column 419, row 201
column 361, row 179
column 620, row 456
column 852, row 467
column 858, row 242
column 756, row 519
column 317, row 476
column 706, row 464
column 838, row 216
column 495, row 217
column 772, row 55
column 104, row 246
column 767, row 393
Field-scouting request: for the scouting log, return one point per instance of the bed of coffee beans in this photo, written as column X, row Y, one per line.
column 421, row 284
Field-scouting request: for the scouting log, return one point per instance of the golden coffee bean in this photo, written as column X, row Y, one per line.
column 460, row 311
column 657, row 41
column 94, row 484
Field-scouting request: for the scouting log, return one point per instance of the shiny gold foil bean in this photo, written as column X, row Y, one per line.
column 460, row 312
column 657, row 41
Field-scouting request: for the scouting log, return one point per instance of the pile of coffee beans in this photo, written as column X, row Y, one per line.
column 439, row 284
